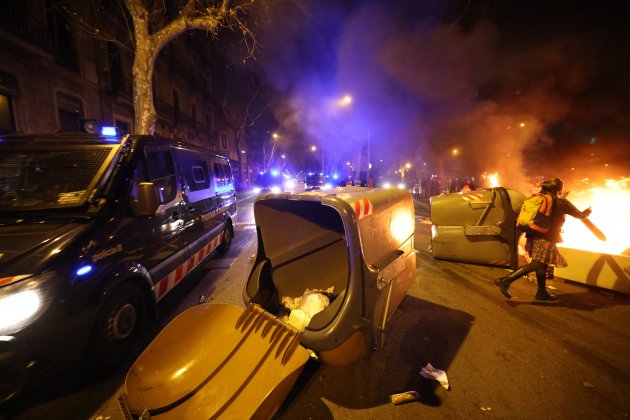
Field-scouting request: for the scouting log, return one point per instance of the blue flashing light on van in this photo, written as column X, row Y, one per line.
column 138, row 214
column 109, row 131
column 83, row 270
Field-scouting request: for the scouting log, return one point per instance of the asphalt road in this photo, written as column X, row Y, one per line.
column 514, row 359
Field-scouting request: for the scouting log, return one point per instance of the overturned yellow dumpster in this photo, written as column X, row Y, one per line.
column 477, row 226
column 330, row 271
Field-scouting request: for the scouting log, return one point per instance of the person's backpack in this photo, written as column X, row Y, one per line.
column 535, row 214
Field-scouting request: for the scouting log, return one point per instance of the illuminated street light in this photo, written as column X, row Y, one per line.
column 402, row 170
column 345, row 100
column 314, row 149
column 274, row 145
column 455, row 152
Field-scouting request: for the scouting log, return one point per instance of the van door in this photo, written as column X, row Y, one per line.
column 197, row 173
column 165, row 241
column 225, row 197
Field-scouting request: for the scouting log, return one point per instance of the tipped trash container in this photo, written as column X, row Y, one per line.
column 476, row 226
column 330, row 270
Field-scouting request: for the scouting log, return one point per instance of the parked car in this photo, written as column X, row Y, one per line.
column 94, row 232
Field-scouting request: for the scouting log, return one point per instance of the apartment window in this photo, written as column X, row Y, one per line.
column 114, row 60
column 176, row 110
column 66, row 50
column 210, row 119
column 8, row 89
column 224, row 140
column 7, row 119
column 70, row 110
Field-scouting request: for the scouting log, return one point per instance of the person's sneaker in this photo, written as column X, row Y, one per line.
column 503, row 287
column 545, row 296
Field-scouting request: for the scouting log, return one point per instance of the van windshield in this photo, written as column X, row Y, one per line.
column 49, row 178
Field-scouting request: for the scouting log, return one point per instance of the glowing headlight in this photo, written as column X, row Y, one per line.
column 275, row 190
column 401, row 186
column 289, row 184
column 387, row 185
column 20, row 304
column 257, row 190
column 327, row 186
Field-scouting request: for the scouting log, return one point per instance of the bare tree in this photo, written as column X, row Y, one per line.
column 195, row 14
column 244, row 101
column 152, row 24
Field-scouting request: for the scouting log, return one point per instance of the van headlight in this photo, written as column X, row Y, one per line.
column 22, row 303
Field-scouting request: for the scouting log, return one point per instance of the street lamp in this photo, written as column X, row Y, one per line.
column 276, row 139
column 314, row 149
column 402, row 170
column 345, row 100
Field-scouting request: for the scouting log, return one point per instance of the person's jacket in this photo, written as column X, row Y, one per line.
column 560, row 208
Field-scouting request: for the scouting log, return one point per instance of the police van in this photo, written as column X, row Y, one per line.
column 94, row 232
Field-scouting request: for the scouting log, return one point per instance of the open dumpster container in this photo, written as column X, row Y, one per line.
column 477, row 226
column 219, row 360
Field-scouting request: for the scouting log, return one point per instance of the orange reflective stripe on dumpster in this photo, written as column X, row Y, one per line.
column 362, row 208
column 472, row 197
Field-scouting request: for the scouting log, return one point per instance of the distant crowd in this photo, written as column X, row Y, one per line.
column 430, row 186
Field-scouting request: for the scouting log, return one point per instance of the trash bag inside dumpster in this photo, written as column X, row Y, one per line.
column 302, row 245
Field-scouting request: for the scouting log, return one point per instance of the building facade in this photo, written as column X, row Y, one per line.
column 56, row 77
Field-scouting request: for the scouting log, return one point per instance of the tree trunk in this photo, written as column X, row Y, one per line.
column 143, row 87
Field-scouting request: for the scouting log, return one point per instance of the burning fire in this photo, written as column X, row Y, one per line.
column 611, row 213
column 492, row 180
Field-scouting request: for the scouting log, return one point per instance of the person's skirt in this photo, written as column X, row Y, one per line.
column 545, row 252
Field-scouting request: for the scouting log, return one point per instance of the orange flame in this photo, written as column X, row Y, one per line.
column 611, row 213
column 492, row 180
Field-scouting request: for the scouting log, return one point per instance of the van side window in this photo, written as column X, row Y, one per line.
column 199, row 175
column 228, row 173
column 220, row 175
column 195, row 172
column 162, row 173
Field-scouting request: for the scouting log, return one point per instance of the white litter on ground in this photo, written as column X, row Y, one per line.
column 429, row 372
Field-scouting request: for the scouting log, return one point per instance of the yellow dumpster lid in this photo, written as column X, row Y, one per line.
column 216, row 360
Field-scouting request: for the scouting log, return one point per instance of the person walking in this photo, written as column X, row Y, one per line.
column 541, row 247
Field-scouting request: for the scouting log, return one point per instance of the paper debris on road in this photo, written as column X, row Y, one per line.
column 404, row 397
column 429, row 372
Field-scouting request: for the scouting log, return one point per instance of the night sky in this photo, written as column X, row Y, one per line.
column 525, row 88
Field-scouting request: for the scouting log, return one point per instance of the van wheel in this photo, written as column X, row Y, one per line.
column 227, row 239
column 118, row 326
